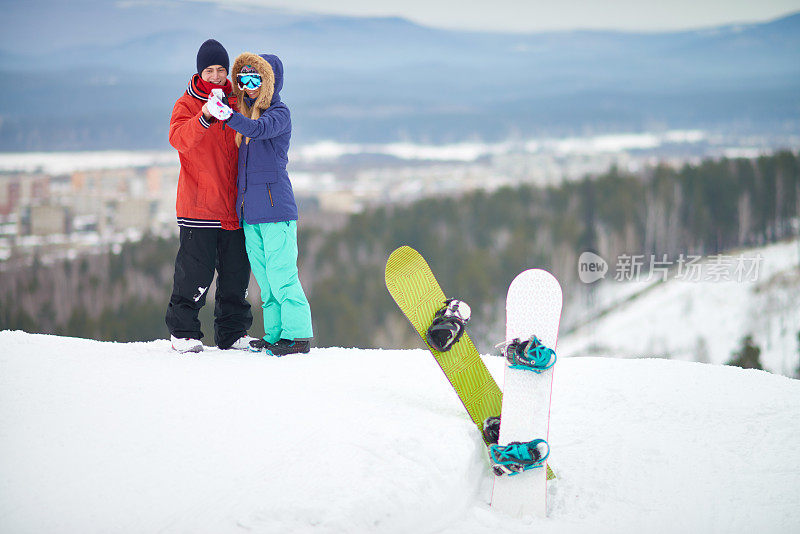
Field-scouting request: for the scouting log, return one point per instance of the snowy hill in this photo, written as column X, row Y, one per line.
column 700, row 318
column 105, row 437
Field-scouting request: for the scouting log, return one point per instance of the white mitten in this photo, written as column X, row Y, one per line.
column 216, row 107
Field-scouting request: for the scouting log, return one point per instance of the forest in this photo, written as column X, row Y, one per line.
column 475, row 242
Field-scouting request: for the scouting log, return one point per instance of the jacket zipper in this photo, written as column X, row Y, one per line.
column 245, row 184
column 269, row 190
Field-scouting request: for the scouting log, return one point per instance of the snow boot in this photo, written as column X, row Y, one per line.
column 281, row 347
column 243, row 343
column 186, row 344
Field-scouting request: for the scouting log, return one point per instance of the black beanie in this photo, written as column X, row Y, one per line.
column 212, row 53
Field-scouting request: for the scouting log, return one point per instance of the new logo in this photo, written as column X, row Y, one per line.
column 591, row 267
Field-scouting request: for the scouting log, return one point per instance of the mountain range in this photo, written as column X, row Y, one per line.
column 119, row 66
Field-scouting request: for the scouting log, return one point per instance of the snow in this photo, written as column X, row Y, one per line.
column 66, row 162
column 132, row 437
column 472, row 151
column 55, row 163
column 701, row 317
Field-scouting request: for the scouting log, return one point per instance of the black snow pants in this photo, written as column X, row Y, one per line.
column 202, row 250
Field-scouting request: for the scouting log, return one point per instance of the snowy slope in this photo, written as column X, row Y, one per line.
column 701, row 320
column 104, row 437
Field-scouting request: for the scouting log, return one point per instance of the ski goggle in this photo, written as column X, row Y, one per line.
column 248, row 81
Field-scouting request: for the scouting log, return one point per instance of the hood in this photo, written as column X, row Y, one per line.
column 277, row 70
column 271, row 69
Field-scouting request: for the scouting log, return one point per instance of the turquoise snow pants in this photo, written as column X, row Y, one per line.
column 272, row 250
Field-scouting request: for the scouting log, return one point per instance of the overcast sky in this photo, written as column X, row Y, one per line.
column 522, row 15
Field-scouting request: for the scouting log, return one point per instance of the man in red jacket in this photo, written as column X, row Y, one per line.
column 210, row 236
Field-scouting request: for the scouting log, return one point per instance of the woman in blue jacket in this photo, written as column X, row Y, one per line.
column 265, row 201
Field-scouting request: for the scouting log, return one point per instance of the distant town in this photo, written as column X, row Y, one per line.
column 57, row 204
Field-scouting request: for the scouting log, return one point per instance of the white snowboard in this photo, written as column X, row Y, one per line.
column 533, row 307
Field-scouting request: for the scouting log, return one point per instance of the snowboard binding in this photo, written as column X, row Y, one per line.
column 448, row 325
column 491, row 429
column 530, row 355
column 518, row 457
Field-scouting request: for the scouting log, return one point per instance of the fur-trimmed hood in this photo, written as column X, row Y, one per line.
column 271, row 69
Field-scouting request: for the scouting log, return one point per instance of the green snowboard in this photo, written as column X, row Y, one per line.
column 415, row 289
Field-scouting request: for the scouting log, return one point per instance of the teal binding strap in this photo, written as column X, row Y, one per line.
column 518, row 457
column 532, row 356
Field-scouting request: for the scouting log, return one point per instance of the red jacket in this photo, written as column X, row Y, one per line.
column 209, row 159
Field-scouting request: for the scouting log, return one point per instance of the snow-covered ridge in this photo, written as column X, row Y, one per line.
column 472, row 151
column 702, row 320
column 54, row 163
column 112, row 437
column 65, row 162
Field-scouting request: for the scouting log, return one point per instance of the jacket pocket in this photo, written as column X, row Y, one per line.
column 262, row 177
column 260, row 184
column 201, row 194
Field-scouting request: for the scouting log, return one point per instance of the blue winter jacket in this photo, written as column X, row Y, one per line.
column 264, row 190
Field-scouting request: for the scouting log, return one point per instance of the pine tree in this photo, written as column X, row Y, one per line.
column 748, row 356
